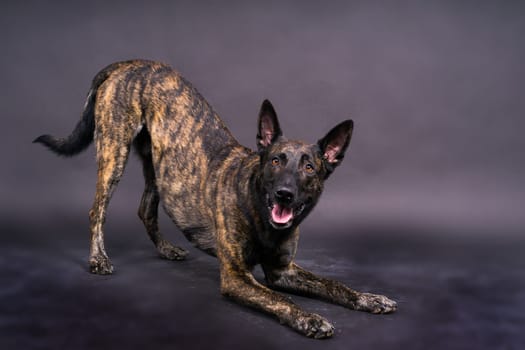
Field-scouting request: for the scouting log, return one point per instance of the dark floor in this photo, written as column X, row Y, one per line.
column 453, row 292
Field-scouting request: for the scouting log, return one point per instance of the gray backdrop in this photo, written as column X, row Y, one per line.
column 435, row 90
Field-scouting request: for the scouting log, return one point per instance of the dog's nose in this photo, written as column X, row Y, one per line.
column 284, row 195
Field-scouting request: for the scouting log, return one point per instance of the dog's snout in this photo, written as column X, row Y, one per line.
column 284, row 195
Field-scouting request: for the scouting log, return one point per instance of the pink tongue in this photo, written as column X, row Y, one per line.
column 281, row 215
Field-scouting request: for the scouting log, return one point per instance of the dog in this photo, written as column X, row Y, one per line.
column 240, row 205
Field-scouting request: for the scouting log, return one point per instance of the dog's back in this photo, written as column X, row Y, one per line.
column 172, row 127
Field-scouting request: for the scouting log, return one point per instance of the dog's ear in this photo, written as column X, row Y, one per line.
column 269, row 129
column 334, row 145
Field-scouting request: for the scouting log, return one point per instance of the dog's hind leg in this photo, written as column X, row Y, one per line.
column 113, row 145
column 148, row 210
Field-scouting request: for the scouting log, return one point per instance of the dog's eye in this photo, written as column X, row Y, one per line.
column 309, row 168
column 276, row 161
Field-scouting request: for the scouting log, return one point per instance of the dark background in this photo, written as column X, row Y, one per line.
column 427, row 207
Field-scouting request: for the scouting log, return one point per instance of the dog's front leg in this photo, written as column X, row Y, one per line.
column 241, row 286
column 295, row 279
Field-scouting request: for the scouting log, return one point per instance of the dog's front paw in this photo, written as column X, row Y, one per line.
column 376, row 304
column 313, row 326
column 100, row 265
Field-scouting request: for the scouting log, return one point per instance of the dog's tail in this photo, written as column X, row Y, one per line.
column 82, row 135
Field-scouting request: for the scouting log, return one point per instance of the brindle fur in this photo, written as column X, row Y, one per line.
column 217, row 192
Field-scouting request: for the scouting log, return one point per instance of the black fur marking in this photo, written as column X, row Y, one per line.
column 79, row 139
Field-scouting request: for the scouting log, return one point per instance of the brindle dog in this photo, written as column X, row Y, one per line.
column 234, row 203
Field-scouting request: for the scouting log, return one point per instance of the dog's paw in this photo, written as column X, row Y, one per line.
column 314, row 326
column 100, row 265
column 171, row 252
column 376, row 304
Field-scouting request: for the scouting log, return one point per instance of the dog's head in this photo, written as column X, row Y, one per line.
column 292, row 173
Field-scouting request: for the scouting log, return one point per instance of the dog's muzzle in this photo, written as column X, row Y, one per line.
column 283, row 208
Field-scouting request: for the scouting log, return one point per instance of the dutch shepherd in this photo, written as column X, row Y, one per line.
column 240, row 205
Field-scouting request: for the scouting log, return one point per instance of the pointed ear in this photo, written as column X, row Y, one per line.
column 334, row 145
column 269, row 129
